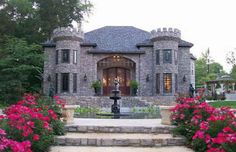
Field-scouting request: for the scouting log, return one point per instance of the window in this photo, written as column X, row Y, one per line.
column 176, row 57
column 167, row 77
column 75, row 56
column 176, row 83
column 167, row 56
column 74, row 82
column 57, row 53
column 65, row 56
column 65, row 82
column 157, row 57
column 158, row 83
column 56, row 83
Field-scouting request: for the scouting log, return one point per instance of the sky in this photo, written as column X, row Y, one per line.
column 205, row 23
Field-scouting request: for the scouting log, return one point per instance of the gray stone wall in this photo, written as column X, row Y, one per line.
column 146, row 62
column 125, row 102
column 184, row 70
column 166, row 67
column 145, row 65
column 49, row 69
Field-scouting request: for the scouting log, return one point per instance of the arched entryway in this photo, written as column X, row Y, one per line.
column 116, row 67
column 121, row 74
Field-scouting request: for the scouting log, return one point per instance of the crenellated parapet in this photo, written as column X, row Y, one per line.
column 67, row 33
column 165, row 33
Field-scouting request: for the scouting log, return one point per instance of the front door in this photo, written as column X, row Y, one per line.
column 123, row 76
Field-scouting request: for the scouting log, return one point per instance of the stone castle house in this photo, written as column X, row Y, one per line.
column 160, row 61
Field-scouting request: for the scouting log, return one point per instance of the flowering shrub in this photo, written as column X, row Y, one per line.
column 34, row 121
column 205, row 127
column 8, row 144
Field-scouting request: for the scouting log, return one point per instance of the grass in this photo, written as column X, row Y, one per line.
column 219, row 104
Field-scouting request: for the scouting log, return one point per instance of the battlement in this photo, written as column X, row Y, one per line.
column 170, row 32
column 67, row 32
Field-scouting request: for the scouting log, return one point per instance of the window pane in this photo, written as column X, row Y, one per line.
column 65, row 82
column 157, row 57
column 167, row 56
column 57, row 53
column 176, row 57
column 158, row 83
column 74, row 82
column 167, row 82
column 176, row 82
column 65, row 56
column 56, row 83
column 75, row 56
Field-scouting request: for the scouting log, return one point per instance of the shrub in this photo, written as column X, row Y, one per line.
column 36, row 121
column 12, row 145
column 205, row 127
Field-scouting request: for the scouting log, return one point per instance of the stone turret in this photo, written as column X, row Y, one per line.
column 164, row 33
column 166, row 42
column 67, row 54
column 68, row 33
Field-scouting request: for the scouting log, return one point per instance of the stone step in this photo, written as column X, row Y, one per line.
column 119, row 129
column 119, row 139
column 118, row 126
column 118, row 149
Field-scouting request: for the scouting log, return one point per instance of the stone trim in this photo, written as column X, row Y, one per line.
column 88, row 44
column 165, row 38
column 72, row 38
column 114, row 52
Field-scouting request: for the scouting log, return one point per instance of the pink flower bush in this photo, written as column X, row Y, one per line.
column 205, row 127
column 14, row 146
column 32, row 123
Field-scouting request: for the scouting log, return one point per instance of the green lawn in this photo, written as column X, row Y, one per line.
column 219, row 104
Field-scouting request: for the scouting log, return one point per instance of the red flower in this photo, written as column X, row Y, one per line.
column 204, row 125
column 199, row 134
column 36, row 137
column 227, row 129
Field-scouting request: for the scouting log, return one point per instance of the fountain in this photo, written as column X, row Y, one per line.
column 115, row 108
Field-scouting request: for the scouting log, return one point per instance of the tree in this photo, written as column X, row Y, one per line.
column 207, row 69
column 231, row 60
column 20, row 68
column 25, row 23
column 34, row 20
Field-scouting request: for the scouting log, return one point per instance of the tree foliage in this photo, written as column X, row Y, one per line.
column 231, row 60
column 34, row 20
column 203, row 64
column 25, row 23
column 20, row 68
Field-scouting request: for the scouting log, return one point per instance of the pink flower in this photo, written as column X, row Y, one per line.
column 204, row 125
column 227, row 129
column 2, row 132
column 36, row 137
column 220, row 139
column 199, row 134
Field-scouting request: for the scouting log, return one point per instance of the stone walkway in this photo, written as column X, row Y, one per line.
column 118, row 122
column 118, row 135
column 119, row 149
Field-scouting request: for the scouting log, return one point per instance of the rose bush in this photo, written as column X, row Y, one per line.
column 34, row 121
column 205, row 127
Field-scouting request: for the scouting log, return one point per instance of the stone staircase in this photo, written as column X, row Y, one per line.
column 128, row 133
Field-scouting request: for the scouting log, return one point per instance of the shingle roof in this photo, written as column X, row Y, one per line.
column 192, row 57
column 117, row 38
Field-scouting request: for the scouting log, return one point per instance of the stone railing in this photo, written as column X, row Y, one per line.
column 170, row 32
column 67, row 32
